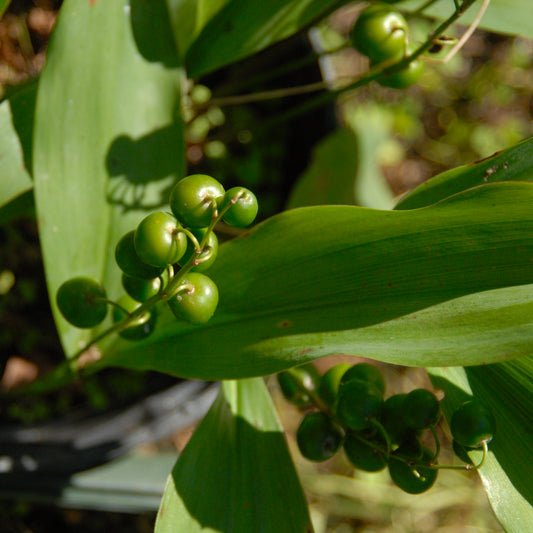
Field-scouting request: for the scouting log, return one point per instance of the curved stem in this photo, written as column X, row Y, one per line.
column 437, row 443
column 373, row 73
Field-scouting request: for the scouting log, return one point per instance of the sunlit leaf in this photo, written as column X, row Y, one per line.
column 319, row 280
column 513, row 164
column 236, row 473
column 108, row 138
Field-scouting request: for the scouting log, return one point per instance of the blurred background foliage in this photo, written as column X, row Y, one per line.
column 390, row 141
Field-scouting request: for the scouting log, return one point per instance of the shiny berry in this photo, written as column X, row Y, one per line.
column 197, row 300
column 243, row 208
column 318, row 437
column 158, row 240
column 81, row 301
column 472, row 424
column 193, row 200
column 130, row 263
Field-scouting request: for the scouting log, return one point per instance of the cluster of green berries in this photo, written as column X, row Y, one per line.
column 164, row 259
column 382, row 34
column 348, row 410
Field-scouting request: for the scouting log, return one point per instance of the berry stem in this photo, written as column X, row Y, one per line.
column 374, row 72
column 437, row 442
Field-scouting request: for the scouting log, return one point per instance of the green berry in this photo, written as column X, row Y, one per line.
column 380, row 33
column 197, row 301
column 291, row 383
column 405, row 77
column 472, row 424
column 193, row 200
column 243, row 208
column 158, row 240
column 413, row 478
column 329, row 383
column 392, row 418
column 81, row 301
column 143, row 289
column 362, row 455
column 358, row 403
column 421, row 409
column 318, row 437
column 207, row 257
column 130, row 263
column 365, row 372
column 142, row 326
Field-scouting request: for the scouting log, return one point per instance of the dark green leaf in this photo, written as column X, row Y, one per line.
column 320, row 280
column 243, row 27
column 236, row 473
column 108, row 139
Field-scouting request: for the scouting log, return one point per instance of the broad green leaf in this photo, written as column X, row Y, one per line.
column 358, row 180
column 502, row 16
column 108, row 138
column 16, row 123
column 512, row 164
column 236, row 473
column 318, row 280
column 508, row 470
column 244, row 27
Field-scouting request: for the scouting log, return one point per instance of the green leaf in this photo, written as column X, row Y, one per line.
column 358, row 180
column 502, row 16
column 189, row 17
column 512, row 164
column 506, row 388
column 3, row 6
column 244, row 27
column 236, row 473
column 319, row 280
column 108, row 139
column 16, row 124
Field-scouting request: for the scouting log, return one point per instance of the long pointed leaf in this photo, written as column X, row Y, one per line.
column 304, row 283
column 512, row 164
column 236, row 473
column 108, row 139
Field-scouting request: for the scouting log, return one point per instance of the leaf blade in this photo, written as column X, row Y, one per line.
column 251, row 476
column 99, row 162
column 270, row 318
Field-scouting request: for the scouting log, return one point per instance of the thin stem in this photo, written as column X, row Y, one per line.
column 275, row 73
column 379, row 426
column 269, row 95
column 373, row 73
column 468, row 33
column 114, row 304
column 437, row 443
